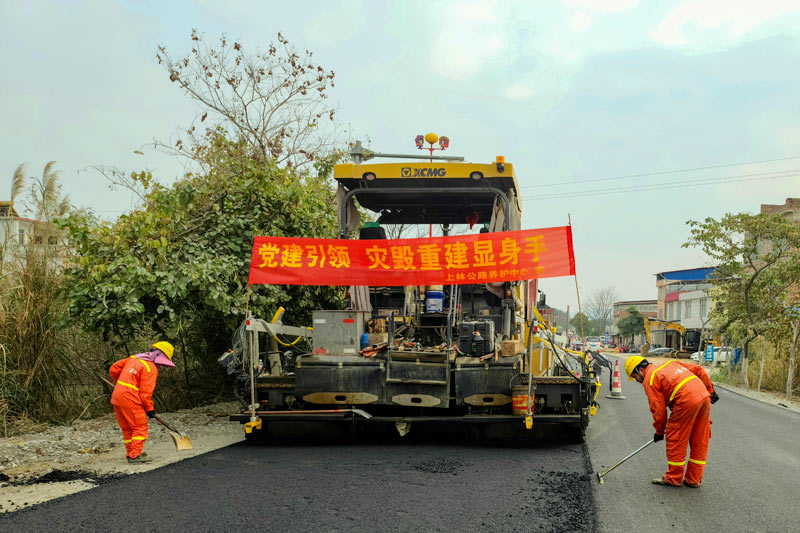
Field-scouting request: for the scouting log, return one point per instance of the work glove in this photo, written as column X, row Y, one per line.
column 151, row 414
column 714, row 397
column 657, row 437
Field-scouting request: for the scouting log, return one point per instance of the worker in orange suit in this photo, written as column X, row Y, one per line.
column 135, row 379
column 687, row 390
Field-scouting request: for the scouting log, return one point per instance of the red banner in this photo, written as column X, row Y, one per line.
column 459, row 260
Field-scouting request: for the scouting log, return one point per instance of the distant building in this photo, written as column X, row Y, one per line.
column 789, row 210
column 17, row 231
column 647, row 308
column 683, row 298
column 549, row 314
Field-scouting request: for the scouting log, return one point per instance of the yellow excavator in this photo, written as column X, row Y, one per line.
column 660, row 324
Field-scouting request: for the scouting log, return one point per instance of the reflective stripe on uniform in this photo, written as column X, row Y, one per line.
column 134, row 387
column 695, row 461
column 671, row 463
column 138, row 438
column 127, row 441
column 680, row 385
column 142, row 361
column 656, row 370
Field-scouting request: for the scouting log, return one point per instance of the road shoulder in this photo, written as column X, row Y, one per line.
column 771, row 398
column 62, row 460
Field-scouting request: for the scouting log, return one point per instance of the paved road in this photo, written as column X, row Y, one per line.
column 372, row 486
column 752, row 480
column 752, row 483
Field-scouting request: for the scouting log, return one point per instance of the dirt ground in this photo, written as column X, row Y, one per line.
column 61, row 460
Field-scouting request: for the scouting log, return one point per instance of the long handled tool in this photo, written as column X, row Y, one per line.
column 642, row 447
column 180, row 439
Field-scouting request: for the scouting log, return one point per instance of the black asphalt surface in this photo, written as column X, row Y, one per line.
column 428, row 485
column 448, row 483
column 751, row 483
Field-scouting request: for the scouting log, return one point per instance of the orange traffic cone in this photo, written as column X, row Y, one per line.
column 616, row 385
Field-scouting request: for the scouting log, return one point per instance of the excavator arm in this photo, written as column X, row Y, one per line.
column 652, row 322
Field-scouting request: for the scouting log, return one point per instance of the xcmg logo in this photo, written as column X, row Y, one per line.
column 408, row 172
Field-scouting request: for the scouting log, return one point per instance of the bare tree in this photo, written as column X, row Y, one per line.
column 601, row 304
column 274, row 101
column 420, row 231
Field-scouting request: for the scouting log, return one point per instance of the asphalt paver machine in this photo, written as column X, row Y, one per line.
column 472, row 354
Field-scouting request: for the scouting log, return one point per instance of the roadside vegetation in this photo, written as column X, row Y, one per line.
column 259, row 159
column 756, row 294
column 44, row 362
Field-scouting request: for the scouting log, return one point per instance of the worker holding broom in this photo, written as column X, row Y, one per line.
column 687, row 390
column 135, row 380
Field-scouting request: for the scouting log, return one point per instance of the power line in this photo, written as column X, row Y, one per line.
column 562, row 184
column 603, row 192
column 646, row 186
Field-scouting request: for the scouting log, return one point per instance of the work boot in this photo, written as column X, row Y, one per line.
column 662, row 481
column 691, row 484
column 143, row 458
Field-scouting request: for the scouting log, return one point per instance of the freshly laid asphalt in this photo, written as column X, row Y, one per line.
column 444, row 482
column 427, row 485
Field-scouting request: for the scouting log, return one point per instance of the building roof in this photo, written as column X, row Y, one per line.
column 673, row 296
column 7, row 209
column 689, row 274
column 791, row 204
column 634, row 302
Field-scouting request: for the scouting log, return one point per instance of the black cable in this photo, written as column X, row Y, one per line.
column 656, row 187
column 645, row 186
column 659, row 173
column 563, row 365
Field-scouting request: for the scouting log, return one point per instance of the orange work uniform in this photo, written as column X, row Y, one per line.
column 685, row 388
column 132, row 398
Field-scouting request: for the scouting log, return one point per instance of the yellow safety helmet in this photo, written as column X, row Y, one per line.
column 168, row 349
column 632, row 363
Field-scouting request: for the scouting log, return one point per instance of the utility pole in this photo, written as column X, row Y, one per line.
column 567, row 328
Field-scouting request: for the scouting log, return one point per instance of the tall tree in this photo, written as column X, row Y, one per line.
column 274, row 100
column 600, row 306
column 590, row 327
column 794, row 316
column 757, row 260
column 632, row 324
column 179, row 268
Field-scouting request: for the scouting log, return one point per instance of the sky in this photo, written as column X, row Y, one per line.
column 595, row 102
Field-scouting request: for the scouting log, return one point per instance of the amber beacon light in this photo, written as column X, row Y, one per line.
column 431, row 139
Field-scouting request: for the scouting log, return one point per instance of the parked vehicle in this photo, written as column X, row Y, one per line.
column 721, row 355
column 652, row 323
column 661, row 351
column 594, row 343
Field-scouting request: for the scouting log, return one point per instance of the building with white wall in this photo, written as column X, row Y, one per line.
column 683, row 299
column 17, row 231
